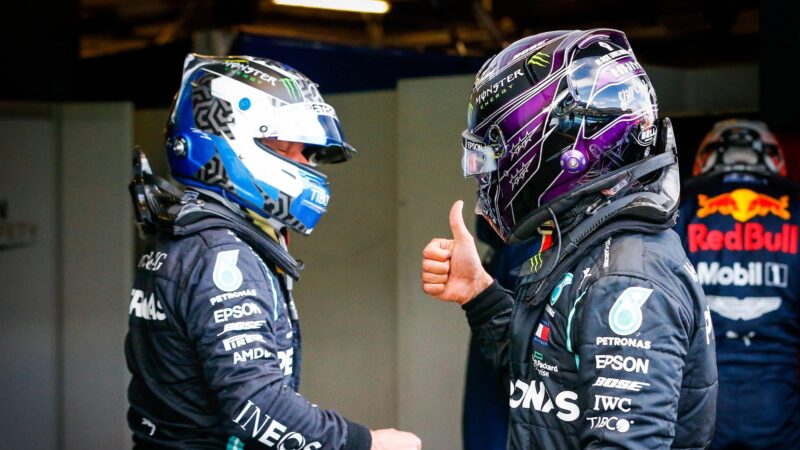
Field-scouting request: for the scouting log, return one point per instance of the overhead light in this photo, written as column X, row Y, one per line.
column 362, row 6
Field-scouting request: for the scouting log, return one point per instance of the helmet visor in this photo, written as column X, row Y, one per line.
column 316, row 125
column 478, row 157
column 309, row 123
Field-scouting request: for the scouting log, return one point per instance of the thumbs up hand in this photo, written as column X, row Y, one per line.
column 451, row 268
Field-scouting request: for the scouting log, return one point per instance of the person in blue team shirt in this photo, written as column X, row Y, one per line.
column 738, row 221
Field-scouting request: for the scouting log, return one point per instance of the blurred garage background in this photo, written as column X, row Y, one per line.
column 86, row 80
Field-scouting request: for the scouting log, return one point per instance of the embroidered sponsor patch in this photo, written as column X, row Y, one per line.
column 625, row 316
column 227, row 277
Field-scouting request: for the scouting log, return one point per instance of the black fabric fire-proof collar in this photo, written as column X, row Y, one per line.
column 193, row 216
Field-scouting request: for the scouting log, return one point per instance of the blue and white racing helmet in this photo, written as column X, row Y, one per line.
column 220, row 124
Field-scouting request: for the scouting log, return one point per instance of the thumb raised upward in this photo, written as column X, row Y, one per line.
column 460, row 231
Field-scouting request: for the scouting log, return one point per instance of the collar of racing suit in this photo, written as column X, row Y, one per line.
column 534, row 287
column 266, row 226
column 159, row 205
column 193, row 215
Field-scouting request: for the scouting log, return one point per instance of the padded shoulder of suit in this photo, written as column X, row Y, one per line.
column 640, row 254
column 206, row 239
column 181, row 254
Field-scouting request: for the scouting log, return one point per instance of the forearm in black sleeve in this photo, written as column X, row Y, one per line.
column 489, row 316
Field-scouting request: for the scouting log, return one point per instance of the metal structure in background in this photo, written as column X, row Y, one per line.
column 662, row 30
column 126, row 49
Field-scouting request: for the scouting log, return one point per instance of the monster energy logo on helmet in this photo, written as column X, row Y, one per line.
column 540, row 59
column 292, row 88
column 244, row 69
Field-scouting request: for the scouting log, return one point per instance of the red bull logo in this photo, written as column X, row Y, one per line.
column 743, row 205
column 744, row 237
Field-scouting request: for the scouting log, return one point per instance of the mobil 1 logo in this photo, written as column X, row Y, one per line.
column 738, row 274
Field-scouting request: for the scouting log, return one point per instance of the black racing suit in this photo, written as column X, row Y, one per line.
column 741, row 232
column 614, row 348
column 213, row 347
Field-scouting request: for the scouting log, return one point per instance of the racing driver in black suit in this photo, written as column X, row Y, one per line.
column 214, row 339
column 607, row 341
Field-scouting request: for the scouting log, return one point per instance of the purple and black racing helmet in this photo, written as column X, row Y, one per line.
column 555, row 114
